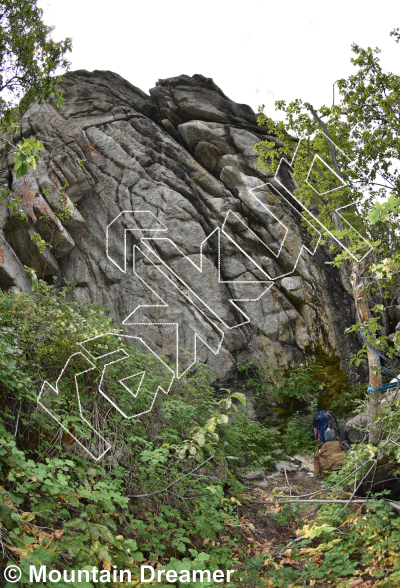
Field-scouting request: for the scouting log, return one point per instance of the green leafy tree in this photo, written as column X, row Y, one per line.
column 346, row 155
column 30, row 63
column 30, row 60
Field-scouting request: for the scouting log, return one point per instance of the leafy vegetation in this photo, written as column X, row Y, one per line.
column 62, row 509
column 167, row 492
column 89, row 510
column 268, row 382
column 343, row 158
column 344, row 550
column 30, row 66
column 351, row 544
column 30, row 60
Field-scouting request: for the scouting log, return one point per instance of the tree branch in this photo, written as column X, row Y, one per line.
column 326, row 132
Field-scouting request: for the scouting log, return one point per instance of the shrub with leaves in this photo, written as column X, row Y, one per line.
column 147, row 497
column 357, row 548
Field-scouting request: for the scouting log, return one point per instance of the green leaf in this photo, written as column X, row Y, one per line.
column 239, row 396
column 22, row 170
column 16, row 497
column 201, row 439
column 203, row 556
column 137, row 555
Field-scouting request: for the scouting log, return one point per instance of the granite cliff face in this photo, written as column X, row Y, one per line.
column 175, row 229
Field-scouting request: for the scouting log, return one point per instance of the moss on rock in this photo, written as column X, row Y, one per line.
column 333, row 379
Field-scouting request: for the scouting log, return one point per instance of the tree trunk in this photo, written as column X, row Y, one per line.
column 374, row 362
column 360, row 299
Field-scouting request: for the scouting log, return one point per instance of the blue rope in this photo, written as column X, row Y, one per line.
column 383, row 387
column 393, row 384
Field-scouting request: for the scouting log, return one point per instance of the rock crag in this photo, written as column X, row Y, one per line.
column 175, row 228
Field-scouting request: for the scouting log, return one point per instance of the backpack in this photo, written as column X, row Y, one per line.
column 325, row 427
column 328, row 458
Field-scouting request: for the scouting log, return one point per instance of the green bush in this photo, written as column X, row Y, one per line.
column 251, row 440
column 269, row 384
column 297, row 436
column 86, row 507
column 350, row 400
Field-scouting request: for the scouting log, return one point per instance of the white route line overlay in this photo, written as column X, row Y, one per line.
column 55, row 389
column 344, row 183
column 134, row 395
column 199, row 267
column 163, row 304
column 146, row 212
column 324, row 228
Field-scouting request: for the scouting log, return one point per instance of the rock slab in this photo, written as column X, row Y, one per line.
column 172, row 226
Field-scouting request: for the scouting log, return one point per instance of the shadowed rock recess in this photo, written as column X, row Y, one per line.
column 181, row 162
